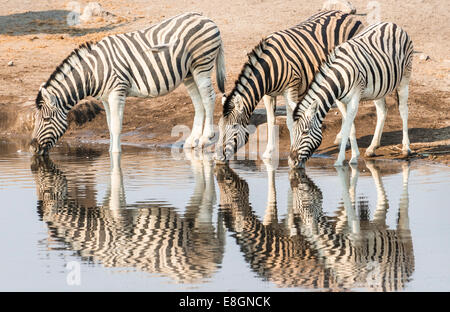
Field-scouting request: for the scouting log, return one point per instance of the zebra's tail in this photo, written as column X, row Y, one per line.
column 220, row 69
column 83, row 112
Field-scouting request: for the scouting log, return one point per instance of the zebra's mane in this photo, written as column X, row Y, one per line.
column 63, row 67
column 247, row 69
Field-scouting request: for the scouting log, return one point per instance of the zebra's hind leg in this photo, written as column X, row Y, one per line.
column 193, row 140
column 208, row 95
column 380, row 105
column 116, row 101
column 402, row 93
column 270, row 102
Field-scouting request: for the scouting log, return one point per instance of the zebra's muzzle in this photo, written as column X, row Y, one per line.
column 295, row 162
column 37, row 149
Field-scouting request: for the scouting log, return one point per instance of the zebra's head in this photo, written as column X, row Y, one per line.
column 233, row 132
column 50, row 123
column 307, row 135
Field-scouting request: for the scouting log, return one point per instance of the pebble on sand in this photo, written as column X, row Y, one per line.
column 10, row 63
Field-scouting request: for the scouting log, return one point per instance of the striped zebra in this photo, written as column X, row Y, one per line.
column 367, row 67
column 145, row 63
column 283, row 63
column 151, row 237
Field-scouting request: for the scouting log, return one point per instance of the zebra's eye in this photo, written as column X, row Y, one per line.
column 47, row 119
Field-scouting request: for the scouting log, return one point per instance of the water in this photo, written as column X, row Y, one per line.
column 84, row 221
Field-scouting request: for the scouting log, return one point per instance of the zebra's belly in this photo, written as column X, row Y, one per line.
column 135, row 91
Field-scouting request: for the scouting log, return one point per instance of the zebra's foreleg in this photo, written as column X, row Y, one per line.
column 349, row 129
column 208, row 95
column 343, row 110
column 270, row 102
column 402, row 92
column 193, row 140
column 291, row 99
column 108, row 120
column 380, row 105
column 116, row 102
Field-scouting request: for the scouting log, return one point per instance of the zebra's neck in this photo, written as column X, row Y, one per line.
column 74, row 79
column 254, row 81
column 324, row 90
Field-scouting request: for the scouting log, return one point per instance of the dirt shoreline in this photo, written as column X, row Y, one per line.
column 40, row 38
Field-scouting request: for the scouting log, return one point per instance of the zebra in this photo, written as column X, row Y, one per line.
column 283, row 63
column 151, row 237
column 367, row 67
column 145, row 63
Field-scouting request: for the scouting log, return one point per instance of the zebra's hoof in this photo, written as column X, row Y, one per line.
column 370, row 153
column 267, row 155
column 406, row 153
column 205, row 141
column 353, row 161
column 337, row 141
column 339, row 163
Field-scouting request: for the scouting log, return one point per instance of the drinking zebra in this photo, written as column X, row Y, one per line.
column 368, row 67
column 283, row 63
column 145, row 63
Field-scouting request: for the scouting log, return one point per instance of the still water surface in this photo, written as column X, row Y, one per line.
column 82, row 220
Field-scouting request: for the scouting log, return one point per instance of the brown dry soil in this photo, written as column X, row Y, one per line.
column 36, row 37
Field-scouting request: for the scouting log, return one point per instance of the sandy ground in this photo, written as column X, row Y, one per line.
column 36, row 37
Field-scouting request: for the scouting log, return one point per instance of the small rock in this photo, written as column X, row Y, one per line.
column 10, row 63
column 424, row 57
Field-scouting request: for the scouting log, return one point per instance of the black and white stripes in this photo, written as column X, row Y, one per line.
column 283, row 63
column 146, row 63
column 368, row 67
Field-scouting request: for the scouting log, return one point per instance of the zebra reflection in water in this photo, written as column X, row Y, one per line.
column 310, row 249
column 149, row 237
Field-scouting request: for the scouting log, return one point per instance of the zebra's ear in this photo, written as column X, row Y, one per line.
column 311, row 110
column 49, row 98
column 239, row 104
column 224, row 98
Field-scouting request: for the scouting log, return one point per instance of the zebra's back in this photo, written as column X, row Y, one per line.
column 155, row 60
column 382, row 56
column 306, row 45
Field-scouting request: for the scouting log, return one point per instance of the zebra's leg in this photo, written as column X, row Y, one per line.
column 380, row 105
column 208, row 95
column 354, row 145
column 352, row 109
column 402, row 93
column 343, row 109
column 116, row 100
column 193, row 140
column 270, row 102
column 108, row 121
column 291, row 99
